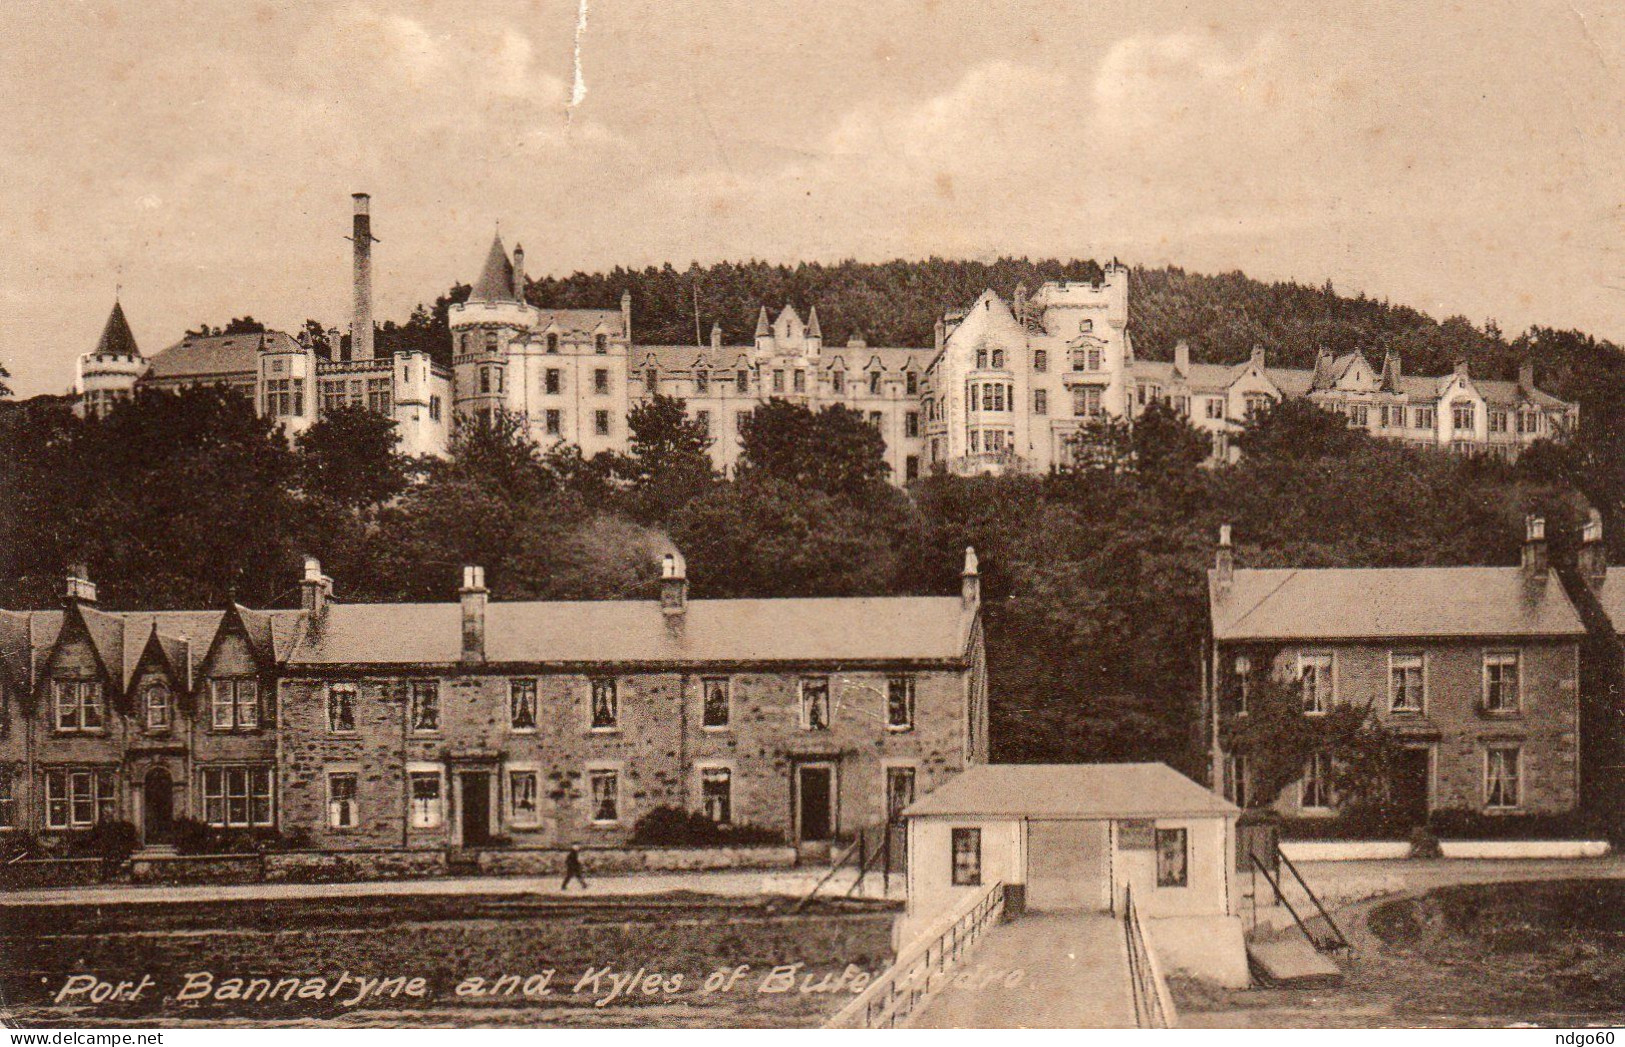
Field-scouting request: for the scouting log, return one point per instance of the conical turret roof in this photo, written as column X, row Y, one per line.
column 763, row 326
column 496, row 279
column 116, row 337
column 813, row 330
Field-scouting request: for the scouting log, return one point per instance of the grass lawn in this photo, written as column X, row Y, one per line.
column 1482, row 956
column 330, row 962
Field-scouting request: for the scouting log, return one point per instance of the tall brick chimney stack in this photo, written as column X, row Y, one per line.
column 1535, row 562
column 362, row 239
column 1224, row 561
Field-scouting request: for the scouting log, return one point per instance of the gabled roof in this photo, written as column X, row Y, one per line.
column 16, row 649
column 496, row 278
column 219, row 356
column 1611, row 597
column 1094, row 790
column 1341, row 603
column 116, row 339
column 581, row 321
column 635, row 632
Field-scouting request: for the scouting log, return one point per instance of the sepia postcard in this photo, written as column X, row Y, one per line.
column 605, row 514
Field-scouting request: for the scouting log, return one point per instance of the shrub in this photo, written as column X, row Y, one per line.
column 675, row 827
column 192, row 837
column 112, row 842
column 16, row 844
column 1457, row 824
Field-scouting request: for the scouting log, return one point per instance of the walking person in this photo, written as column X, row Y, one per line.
column 572, row 870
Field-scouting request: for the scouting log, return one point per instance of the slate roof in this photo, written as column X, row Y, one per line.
column 117, row 338
column 1092, row 790
column 635, row 632
column 1295, row 381
column 853, row 359
column 496, row 278
column 1611, row 596
column 581, row 321
column 221, row 355
column 1388, row 602
column 27, row 638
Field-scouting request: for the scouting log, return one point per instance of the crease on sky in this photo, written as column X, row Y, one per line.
column 578, row 90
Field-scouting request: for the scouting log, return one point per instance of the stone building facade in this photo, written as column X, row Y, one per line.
column 1005, row 386
column 476, row 724
column 554, row 724
column 139, row 717
column 1474, row 670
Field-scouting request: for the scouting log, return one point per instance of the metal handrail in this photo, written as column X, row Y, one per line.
column 834, row 867
column 1341, row 940
column 920, row 970
column 1280, row 896
column 1153, row 1004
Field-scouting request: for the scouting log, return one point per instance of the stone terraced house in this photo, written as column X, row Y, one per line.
column 1474, row 669
column 479, row 724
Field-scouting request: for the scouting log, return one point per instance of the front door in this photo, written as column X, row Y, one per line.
column 1412, row 786
column 476, row 808
column 815, row 802
column 1069, row 865
column 157, row 806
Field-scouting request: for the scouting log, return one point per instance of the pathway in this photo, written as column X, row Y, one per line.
column 1074, row 976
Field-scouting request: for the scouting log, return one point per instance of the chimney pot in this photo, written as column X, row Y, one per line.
column 1182, row 357
column 1224, row 560
column 315, row 588
column 970, row 579
column 473, row 595
column 673, row 585
column 1593, row 554
column 80, row 589
column 1535, row 561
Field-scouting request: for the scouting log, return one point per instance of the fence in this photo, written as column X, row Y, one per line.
column 922, row 967
column 1153, row 1007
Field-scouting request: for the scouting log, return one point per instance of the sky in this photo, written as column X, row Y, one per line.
column 196, row 158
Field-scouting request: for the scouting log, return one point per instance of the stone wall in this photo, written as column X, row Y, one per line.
column 657, row 748
column 204, row 868
column 538, row 862
column 51, row 872
column 325, row 866
column 1457, row 730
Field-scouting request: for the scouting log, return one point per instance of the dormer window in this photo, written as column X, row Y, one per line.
column 911, row 383
column 234, row 704
column 874, row 383
column 651, row 379
column 600, row 344
column 998, row 359
column 552, row 342
column 159, row 709
column 702, row 382
column 78, row 705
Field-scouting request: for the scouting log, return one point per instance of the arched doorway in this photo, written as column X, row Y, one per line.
column 157, row 806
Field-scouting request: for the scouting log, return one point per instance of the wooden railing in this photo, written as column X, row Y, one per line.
column 1153, row 1006
column 923, row 966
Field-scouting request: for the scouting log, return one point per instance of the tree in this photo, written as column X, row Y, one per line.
column 834, row 450
column 5, row 387
column 348, row 457
column 1297, row 428
column 669, row 463
column 1279, row 739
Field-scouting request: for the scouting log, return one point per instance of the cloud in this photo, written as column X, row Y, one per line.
column 1152, row 81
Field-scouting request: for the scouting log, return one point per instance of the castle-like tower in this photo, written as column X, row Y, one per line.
column 564, row 370
column 109, row 373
